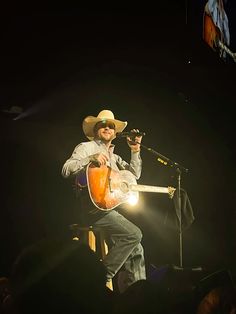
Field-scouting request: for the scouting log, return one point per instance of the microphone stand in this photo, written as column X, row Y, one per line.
column 179, row 169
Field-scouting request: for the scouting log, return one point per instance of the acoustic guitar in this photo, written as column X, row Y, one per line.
column 213, row 37
column 109, row 188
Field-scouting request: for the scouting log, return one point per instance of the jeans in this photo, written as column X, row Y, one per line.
column 126, row 251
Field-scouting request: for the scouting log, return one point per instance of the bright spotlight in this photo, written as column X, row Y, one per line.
column 133, row 199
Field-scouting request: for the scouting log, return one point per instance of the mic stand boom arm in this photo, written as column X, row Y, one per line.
column 163, row 159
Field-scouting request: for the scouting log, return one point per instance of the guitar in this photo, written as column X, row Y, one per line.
column 109, row 188
column 213, row 37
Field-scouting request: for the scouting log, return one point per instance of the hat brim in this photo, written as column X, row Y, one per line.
column 90, row 121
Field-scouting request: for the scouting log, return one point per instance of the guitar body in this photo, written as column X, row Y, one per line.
column 211, row 33
column 213, row 37
column 109, row 188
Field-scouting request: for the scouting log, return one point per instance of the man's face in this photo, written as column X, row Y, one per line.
column 105, row 131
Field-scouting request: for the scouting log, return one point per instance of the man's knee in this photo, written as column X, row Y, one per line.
column 137, row 235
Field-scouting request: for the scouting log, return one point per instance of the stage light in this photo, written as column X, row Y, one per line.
column 133, row 199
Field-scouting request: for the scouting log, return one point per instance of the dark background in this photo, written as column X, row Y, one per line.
column 149, row 66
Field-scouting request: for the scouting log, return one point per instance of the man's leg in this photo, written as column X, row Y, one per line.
column 126, row 248
column 133, row 269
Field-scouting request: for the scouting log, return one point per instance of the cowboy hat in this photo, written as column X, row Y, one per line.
column 104, row 116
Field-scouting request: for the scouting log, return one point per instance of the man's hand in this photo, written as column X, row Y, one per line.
column 99, row 159
column 134, row 141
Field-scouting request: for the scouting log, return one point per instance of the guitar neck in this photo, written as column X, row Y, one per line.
column 148, row 188
column 227, row 50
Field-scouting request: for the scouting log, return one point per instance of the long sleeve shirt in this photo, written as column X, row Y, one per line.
column 84, row 152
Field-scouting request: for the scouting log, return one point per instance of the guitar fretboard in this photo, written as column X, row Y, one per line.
column 227, row 50
column 148, row 188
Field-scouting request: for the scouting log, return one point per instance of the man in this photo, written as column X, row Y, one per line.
column 126, row 251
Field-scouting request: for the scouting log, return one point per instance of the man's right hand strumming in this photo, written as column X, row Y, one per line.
column 99, row 159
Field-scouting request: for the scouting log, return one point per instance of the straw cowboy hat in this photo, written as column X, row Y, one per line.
column 104, row 116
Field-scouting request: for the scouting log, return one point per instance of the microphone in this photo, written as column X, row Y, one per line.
column 130, row 134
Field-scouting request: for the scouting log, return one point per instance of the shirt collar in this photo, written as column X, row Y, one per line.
column 100, row 143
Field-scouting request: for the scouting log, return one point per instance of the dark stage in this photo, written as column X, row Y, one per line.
column 152, row 69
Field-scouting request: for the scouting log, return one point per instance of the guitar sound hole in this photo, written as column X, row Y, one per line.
column 124, row 187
